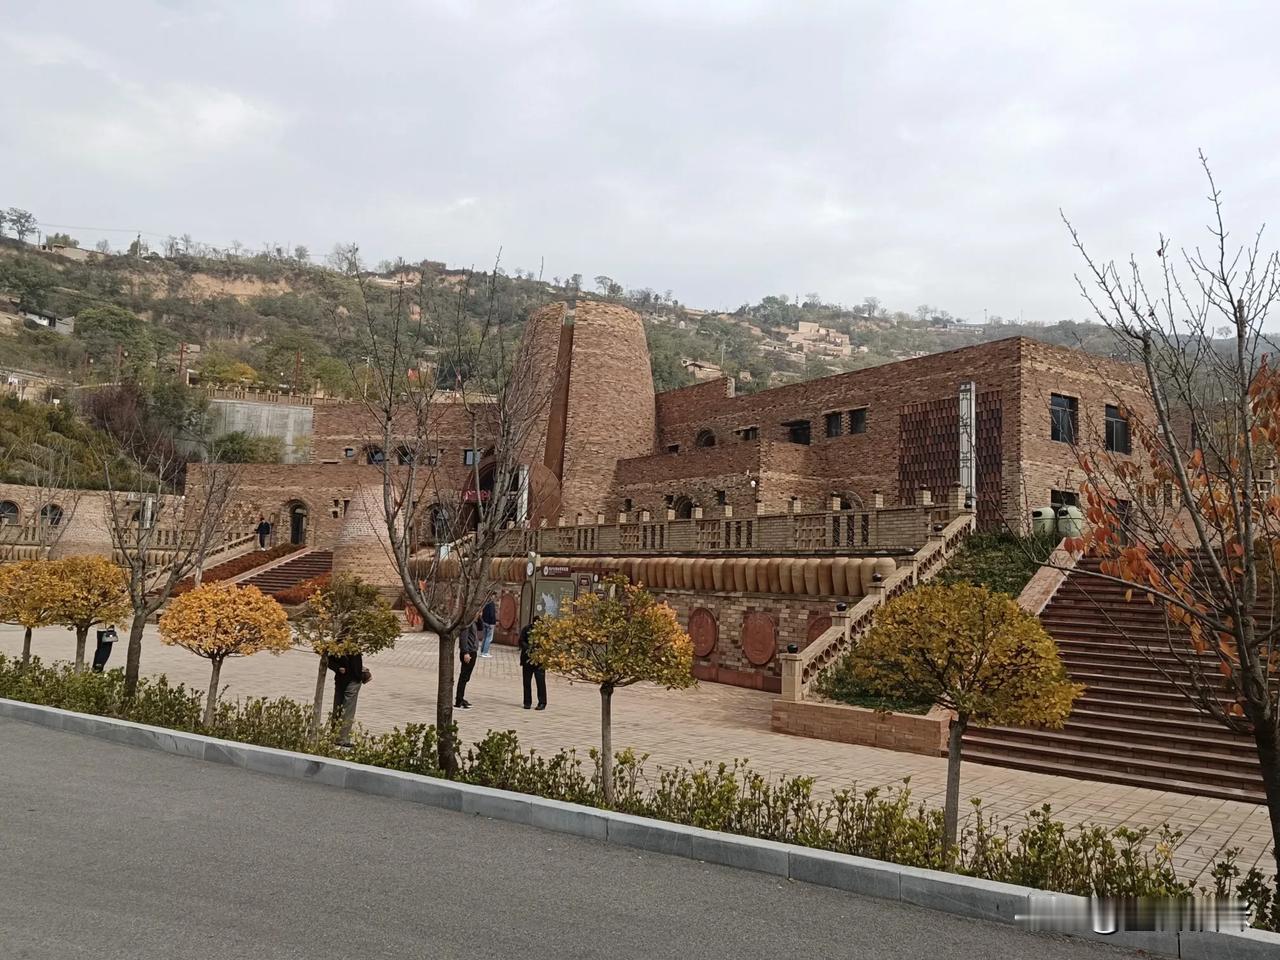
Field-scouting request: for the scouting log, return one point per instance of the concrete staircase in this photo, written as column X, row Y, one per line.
column 1132, row 725
column 291, row 572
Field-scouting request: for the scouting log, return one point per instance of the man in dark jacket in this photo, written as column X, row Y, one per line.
column 531, row 670
column 263, row 530
column 468, row 649
column 348, row 678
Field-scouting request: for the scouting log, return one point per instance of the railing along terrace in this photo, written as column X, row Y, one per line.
column 897, row 529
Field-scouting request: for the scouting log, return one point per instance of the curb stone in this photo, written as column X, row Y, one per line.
column 947, row 892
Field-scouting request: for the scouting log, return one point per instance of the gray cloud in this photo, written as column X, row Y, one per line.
column 913, row 151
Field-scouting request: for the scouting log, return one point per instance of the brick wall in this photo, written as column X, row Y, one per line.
column 792, row 617
column 326, row 491
column 1041, row 464
column 909, row 733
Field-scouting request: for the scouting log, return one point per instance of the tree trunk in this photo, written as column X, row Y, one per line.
column 1264, row 736
column 317, row 706
column 606, row 742
column 212, row 700
column 951, row 808
column 446, row 736
column 82, row 635
column 26, row 646
column 133, row 662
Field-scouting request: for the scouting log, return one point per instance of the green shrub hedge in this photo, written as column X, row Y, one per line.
column 1000, row 561
column 884, row 824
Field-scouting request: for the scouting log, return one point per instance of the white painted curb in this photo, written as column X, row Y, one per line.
column 948, row 892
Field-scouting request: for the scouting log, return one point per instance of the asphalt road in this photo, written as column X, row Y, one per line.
column 109, row 851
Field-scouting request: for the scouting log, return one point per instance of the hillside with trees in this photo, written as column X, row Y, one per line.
column 275, row 319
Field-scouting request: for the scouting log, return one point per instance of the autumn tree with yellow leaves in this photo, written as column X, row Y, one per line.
column 614, row 639
column 344, row 617
column 29, row 595
column 221, row 620
column 973, row 651
column 87, row 591
column 1189, row 521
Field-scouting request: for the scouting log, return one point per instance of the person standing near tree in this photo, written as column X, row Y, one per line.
column 102, row 653
column 532, row 671
column 489, row 619
column 263, row 530
column 349, row 675
column 468, row 649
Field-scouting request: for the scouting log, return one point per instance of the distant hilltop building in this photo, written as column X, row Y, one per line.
column 812, row 337
column 701, row 369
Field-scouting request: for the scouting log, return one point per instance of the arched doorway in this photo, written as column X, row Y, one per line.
column 683, row 507
column 8, row 513
column 705, row 438
column 298, row 512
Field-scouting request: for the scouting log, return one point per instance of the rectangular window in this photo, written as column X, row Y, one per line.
column 1063, row 498
column 1062, row 418
column 673, row 448
column 721, row 498
column 1117, row 430
column 627, row 505
column 469, row 457
column 858, row 420
column 835, row 421
column 798, row 431
column 749, row 433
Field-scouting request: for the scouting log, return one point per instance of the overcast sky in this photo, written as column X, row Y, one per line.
column 723, row 149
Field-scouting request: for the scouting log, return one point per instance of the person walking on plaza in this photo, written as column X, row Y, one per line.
column 349, row 676
column 489, row 617
column 102, row 653
column 468, row 649
column 532, row 671
column 263, row 530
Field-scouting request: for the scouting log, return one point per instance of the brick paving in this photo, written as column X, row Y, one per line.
column 710, row 722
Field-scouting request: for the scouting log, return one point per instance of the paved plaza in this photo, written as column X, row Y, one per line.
column 710, row 722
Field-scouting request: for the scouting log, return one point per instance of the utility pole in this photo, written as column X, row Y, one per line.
column 297, row 368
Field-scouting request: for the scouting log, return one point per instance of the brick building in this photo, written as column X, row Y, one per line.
column 604, row 443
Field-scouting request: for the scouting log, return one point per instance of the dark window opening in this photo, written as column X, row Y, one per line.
column 1062, row 418
column 798, row 431
column 1117, row 425
column 858, row 420
column 51, row 514
column 1063, row 498
column 673, row 448
column 8, row 513
column 749, row 433
column 627, row 505
column 683, row 507
column 404, row 456
column 705, row 438
column 722, row 498
column 835, row 424
column 374, row 455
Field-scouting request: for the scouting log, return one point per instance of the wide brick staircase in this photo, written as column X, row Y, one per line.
column 292, row 572
column 1132, row 725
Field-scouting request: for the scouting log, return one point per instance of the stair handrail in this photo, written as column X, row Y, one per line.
column 1048, row 579
column 801, row 670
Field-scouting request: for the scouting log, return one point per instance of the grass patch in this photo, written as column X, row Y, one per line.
column 999, row 561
